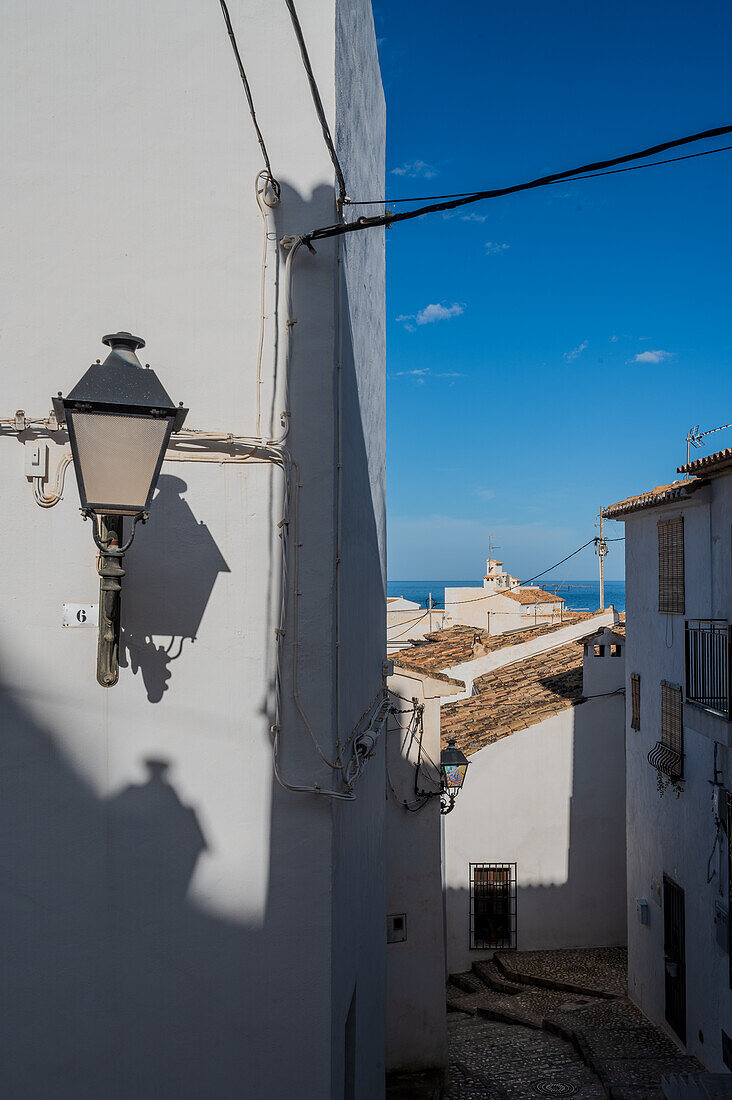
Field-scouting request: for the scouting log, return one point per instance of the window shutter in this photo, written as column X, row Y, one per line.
column 672, row 720
column 671, row 565
column 635, row 700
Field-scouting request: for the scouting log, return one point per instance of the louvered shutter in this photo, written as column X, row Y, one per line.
column 671, row 565
column 635, row 700
column 672, row 720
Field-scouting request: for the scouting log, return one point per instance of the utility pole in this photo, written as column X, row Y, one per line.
column 601, row 551
column 429, row 605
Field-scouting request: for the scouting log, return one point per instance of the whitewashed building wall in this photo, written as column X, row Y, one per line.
column 176, row 924
column 670, row 835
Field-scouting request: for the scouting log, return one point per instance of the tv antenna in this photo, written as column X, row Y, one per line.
column 694, row 438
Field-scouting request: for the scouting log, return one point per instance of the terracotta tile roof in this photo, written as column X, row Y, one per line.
column 719, row 462
column 515, row 697
column 530, row 595
column 662, row 494
column 445, row 648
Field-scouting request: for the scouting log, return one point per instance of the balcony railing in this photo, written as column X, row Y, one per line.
column 708, row 653
column 667, row 760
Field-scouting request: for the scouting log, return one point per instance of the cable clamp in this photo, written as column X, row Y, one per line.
column 279, row 633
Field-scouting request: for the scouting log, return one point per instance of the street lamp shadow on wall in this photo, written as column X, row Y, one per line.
column 119, row 419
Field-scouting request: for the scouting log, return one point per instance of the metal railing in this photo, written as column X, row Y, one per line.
column 667, row 760
column 708, row 650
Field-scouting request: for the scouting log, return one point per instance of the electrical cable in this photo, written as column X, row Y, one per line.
column 319, row 109
column 248, row 92
column 589, row 176
column 477, row 196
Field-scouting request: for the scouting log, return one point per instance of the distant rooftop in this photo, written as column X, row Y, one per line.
column 515, row 697
column 530, row 595
column 444, row 648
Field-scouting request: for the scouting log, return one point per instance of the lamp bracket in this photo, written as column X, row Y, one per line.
column 109, row 548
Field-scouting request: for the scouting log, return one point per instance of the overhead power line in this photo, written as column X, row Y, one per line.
column 319, row 109
column 477, row 196
column 589, row 176
column 250, row 101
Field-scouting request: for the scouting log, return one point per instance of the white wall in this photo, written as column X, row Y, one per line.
column 405, row 626
column 667, row 834
column 550, row 799
column 416, row 1028
column 161, row 924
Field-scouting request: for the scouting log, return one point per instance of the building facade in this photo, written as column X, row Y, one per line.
column 177, row 924
column 502, row 603
column 679, row 606
column 535, row 850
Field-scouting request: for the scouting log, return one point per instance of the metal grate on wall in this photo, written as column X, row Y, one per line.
column 671, row 565
column 492, row 905
column 635, row 701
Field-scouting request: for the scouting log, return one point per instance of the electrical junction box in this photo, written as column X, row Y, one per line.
column 642, row 909
column 721, row 925
column 36, row 458
column 396, row 928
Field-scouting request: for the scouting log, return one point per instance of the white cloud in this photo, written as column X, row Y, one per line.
column 472, row 217
column 613, row 339
column 576, row 352
column 420, row 373
column 651, row 356
column 485, row 494
column 494, row 247
column 415, row 169
column 436, row 311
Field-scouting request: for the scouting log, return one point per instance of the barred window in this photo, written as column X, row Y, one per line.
column 492, row 905
column 671, row 565
column 672, row 721
column 635, row 700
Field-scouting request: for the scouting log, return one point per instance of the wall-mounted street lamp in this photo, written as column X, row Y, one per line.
column 453, row 766
column 120, row 420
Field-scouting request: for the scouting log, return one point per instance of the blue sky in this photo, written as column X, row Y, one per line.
column 548, row 352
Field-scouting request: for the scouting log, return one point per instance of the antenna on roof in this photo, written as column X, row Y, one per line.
column 491, row 547
column 694, row 438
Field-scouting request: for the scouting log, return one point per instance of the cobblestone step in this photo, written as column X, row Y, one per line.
column 489, row 973
column 594, row 972
column 460, row 1001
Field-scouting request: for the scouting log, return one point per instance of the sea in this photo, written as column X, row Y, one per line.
column 578, row 596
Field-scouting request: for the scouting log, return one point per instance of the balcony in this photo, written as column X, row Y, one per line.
column 667, row 760
column 708, row 652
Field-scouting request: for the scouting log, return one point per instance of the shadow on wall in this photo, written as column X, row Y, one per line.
column 528, row 826
column 115, row 983
column 171, row 570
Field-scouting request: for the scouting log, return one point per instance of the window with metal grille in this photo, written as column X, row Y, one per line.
column 671, row 565
column 635, row 701
column 492, row 905
column 667, row 755
column 707, row 649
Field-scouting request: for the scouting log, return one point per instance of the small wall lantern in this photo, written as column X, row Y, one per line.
column 453, row 766
column 120, row 420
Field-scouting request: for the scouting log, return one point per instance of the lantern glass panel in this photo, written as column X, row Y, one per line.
column 454, row 774
column 118, row 458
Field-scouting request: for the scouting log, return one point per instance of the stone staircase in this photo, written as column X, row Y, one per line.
column 626, row 1052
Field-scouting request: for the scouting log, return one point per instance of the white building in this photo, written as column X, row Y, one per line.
column 679, row 601
column 502, row 604
column 535, row 846
column 407, row 621
column 416, row 1023
column 175, row 923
